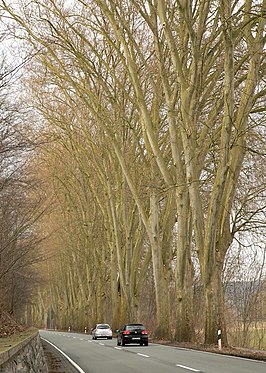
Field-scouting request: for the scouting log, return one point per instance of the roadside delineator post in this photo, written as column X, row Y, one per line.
column 85, row 329
column 219, row 339
column 69, row 328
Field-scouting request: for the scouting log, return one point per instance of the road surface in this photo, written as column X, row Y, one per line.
column 101, row 356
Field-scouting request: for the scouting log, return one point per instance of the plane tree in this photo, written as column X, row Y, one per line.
column 193, row 76
column 20, row 203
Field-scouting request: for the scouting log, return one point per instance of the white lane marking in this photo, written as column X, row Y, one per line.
column 89, row 341
column 118, row 348
column 183, row 366
column 67, row 357
column 142, row 354
column 102, row 344
column 81, row 339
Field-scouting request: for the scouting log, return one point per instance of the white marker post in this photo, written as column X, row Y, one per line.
column 219, row 339
column 69, row 328
column 85, row 329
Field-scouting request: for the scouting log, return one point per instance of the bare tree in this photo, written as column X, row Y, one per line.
column 183, row 81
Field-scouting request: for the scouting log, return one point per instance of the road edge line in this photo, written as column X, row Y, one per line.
column 65, row 355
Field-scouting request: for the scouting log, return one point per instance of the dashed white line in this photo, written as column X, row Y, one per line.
column 142, row 354
column 102, row 344
column 118, row 348
column 188, row 368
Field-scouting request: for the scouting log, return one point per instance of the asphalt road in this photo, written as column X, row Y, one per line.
column 103, row 356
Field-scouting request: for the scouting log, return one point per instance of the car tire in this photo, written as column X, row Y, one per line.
column 122, row 342
column 118, row 343
column 109, row 337
column 95, row 338
column 146, row 343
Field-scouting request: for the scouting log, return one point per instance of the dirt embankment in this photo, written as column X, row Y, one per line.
column 233, row 351
column 8, row 326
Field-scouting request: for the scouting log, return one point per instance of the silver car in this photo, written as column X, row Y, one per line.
column 102, row 331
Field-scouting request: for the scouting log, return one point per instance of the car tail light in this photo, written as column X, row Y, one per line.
column 144, row 332
column 126, row 332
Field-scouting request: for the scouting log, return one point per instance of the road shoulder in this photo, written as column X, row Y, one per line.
column 57, row 363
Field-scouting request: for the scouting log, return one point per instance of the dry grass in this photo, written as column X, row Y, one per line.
column 11, row 340
column 240, row 352
column 252, row 336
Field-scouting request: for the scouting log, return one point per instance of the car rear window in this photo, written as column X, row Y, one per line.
column 135, row 327
column 103, row 326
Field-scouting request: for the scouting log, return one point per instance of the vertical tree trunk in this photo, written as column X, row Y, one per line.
column 160, row 273
column 211, row 322
column 114, row 290
column 184, row 273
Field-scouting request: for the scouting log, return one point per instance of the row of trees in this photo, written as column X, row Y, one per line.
column 153, row 112
column 20, row 203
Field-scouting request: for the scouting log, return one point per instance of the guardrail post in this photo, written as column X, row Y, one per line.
column 219, row 339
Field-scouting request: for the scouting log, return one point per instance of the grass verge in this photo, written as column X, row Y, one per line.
column 14, row 339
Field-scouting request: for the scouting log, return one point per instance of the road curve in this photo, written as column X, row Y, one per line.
column 103, row 356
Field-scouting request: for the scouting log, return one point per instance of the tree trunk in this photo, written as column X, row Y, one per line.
column 211, row 322
column 160, row 273
column 184, row 270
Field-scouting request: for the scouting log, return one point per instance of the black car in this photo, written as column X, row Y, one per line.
column 132, row 333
